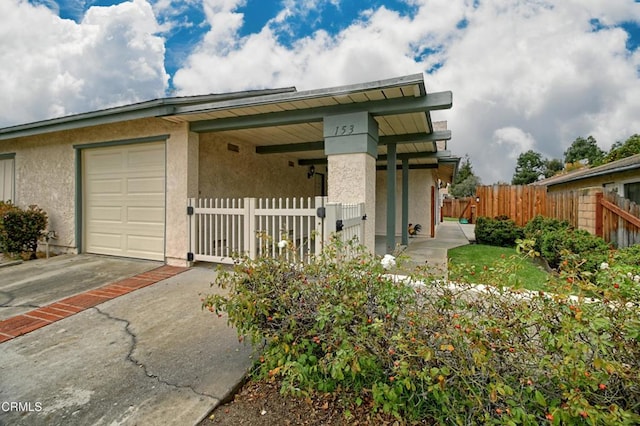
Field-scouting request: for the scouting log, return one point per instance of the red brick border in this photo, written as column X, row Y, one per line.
column 37, row 318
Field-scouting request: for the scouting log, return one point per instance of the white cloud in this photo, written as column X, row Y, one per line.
column 525, row 75
column 53, row 66
column 514, row 140
column 536, row 67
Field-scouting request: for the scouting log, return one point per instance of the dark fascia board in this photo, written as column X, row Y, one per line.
column 383, row 140
column 440, row 135
column 290, row 147
column 570, row 178
column 309, row 94
column 622, row 165
column 406, row 105
column 442, row 156
column 411, row 166
column 154, row 108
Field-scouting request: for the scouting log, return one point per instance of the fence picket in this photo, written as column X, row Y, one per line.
column 221, row 228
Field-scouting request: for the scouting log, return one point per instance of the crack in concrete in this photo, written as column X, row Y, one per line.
column 27, row 305
column 133, row 360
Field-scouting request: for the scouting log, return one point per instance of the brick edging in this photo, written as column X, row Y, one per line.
column 13, row 327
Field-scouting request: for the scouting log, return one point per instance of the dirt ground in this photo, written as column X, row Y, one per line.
column 260, row 404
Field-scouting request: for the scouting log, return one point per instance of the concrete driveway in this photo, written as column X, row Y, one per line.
column 150, row 356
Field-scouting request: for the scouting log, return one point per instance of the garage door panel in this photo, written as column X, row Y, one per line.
column 124, row 197
column 106, row 214
column 146, row 244
column 105, row 162
column 145, row 185
column 105, row 186
column 141, row 216
column 107, row 241
column 145, row 157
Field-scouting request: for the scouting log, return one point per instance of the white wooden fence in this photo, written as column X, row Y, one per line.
column 222, row 228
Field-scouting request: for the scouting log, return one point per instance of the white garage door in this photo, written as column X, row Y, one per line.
column 124, row 200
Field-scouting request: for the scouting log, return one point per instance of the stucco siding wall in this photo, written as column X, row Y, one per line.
column 224, row 173
column 45, row 172
column 45, row 176
column 420, row 183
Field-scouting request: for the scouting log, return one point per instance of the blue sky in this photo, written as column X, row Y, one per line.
column 525, row 74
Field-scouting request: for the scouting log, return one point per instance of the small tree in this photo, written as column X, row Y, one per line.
column 465, row 182
column 584, row 149
column 530, row 166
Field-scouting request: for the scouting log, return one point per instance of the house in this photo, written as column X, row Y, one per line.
column 117, row 181
column 621, row 176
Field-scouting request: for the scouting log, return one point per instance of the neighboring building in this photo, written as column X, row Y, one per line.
column 621, row 176
column 116, row 181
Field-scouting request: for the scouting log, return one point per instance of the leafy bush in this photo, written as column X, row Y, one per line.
column 628, row 255
column 501, row 231
column 587, row 251
column 432, row 351
column 20, row 229
column 5, row 207
column 539, row 226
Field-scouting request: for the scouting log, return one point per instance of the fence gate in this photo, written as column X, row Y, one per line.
column 219, row 229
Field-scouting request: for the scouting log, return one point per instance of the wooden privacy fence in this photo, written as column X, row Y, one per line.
column 520, row 203
column 456, row 207
column 605, row 214
column 617, row 220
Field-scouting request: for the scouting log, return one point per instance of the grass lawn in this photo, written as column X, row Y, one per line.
column 482, row 266
column 451, row 219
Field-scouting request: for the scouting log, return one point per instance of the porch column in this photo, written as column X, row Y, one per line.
column 350, row 144
column 405, row 201
column 391, row 197
column 183, row 149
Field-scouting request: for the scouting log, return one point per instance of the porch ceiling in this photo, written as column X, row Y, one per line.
column 291, row 122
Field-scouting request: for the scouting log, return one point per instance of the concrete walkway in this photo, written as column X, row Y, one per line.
column 136, row 351
column 432, row 252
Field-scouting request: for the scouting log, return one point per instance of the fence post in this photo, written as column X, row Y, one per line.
column 192, row 229
column 599, row 214
column 250, row 227
column 319, row 225
column 332, row 214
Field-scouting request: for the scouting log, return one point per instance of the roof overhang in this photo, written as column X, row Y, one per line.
column 285, row 121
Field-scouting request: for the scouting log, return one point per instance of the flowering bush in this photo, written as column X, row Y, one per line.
column 434, row 351
column 388, row 261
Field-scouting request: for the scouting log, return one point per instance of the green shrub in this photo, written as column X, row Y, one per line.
column 539, row 226
column 5, row 207
column 586, row 250
column 20, row 229
column 431, row 351
column 628, row 255
column 501, row 231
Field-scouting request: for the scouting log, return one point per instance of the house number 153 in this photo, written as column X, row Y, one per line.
column 344, row 130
